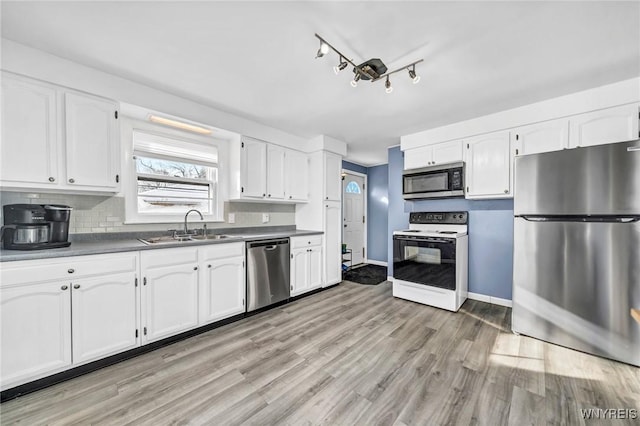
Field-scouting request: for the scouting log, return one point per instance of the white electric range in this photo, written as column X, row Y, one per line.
column 430, row 259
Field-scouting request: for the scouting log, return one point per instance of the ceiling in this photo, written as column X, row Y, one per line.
column 256, row 59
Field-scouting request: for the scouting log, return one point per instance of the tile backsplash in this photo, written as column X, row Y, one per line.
column 94, row 213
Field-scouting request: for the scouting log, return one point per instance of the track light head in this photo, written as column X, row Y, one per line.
column 412, row 74
column 387, row 85
column 354, row 82
column 342, row 65
column 323, row 50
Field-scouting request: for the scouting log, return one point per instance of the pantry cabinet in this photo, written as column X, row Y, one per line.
column 56, row 139
column 541, row 137
column 605, row 126
column 306, row 264
column 169, row 292
column 488, row 171
column 332, row 177
column 222, row 282
column 431, row 155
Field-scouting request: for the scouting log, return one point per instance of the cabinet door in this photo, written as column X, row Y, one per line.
column 222, row 291
column 542, row 137
column 296, row 176
column 333, row 243
column 36, row 331
column 446, row 152
column 299, row 270
column 254, row 169
column 104, row 316
column 488, row 168
column 332, row 177
column 170, row 298
column 418, row 157
column 606, row 126
column 315, row 267
column 91, row 142
column 275, row 172
column 29, row 146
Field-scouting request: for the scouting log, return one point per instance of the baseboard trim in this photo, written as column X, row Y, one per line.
column 375, row 262
column 389, row 278
column 490, row 299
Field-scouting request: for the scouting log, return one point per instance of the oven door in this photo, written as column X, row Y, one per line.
column 425, row 260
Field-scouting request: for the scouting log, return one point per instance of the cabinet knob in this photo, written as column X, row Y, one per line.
column 208, row 266
column 64, row 287
column 264, row 195
column 52, row 179
column 506, row 191
column 71, row 270
column 195, row 268
column 72, row 180
column 290, row 197
column 76, row 286
column 269, row 195
column 326, row 198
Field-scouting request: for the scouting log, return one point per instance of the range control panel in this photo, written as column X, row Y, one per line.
column 449, row 218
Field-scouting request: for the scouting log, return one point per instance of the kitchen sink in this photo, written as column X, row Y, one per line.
column 169, row 239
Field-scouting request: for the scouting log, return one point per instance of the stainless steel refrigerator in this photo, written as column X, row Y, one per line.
column 576, row 270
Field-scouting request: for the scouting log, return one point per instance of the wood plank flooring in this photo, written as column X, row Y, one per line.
column 349, row 355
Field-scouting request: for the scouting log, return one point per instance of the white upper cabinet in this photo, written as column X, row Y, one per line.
column 275, row 172
column 70, row 139
column 605, row 126
column 431, row 155
column 332, row 177
column 254, row 168
column 296, row 176
column 488, row 166
column 416, row 158
column 92, row 142
column 542, row 137
column 29, row 133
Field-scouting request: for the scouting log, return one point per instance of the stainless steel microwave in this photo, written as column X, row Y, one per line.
column 442, row 181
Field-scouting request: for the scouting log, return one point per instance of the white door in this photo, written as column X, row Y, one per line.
column 542, row 137
column 92, row 141
column 488, row 172
column 275, row 172
column 296, row 176
column 606, row 126
column 299, row 270
column 170, row 298
column 104, row 316
column 353, row 216
column 223, row 289
column 332, row 239
column 333, row 172
column 315, row 267
column 254, row 168
column 29, row 150
column 35, row 331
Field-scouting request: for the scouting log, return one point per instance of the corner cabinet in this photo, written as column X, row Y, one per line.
column 489, row 166
column 306, row 264
column 70, row 138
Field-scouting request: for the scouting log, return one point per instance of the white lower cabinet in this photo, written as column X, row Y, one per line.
column 306, row 264
column 169, row 292
column 36, row 331
column 222, row 282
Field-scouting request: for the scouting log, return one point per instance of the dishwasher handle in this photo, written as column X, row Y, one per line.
column 269, row 248
column 268, row 244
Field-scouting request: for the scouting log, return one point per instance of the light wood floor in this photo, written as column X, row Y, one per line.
column 350, row 355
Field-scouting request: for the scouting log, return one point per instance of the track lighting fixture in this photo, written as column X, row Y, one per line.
column 342, row 65
column 412, row 74
column 372, row 70
column 387, row 85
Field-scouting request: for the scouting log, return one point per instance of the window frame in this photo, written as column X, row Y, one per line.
column 130, row 178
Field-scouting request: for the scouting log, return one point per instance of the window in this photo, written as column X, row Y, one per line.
column 352, row 188
column 173, row 176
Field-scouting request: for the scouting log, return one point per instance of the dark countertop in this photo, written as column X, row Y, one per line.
column 97, row 245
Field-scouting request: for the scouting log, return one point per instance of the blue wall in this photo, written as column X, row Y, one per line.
column 354, row 167
column 377, row 205
column 490, row 232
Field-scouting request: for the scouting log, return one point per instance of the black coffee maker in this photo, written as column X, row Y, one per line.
column 35, row 226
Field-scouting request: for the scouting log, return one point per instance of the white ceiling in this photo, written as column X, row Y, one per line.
column 256, row 59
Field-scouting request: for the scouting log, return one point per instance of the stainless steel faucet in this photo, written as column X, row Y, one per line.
column 186, row 229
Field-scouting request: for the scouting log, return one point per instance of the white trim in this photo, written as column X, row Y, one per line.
column 364, row 211
column 490, row 299
column 378, row 164
column 389, row 278
column 393, row 146
column 375, row 262
column 351, row 172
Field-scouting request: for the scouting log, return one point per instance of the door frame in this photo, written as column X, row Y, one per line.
column 364, row 210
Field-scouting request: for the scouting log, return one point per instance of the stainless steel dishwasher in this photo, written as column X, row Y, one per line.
column 267, row 272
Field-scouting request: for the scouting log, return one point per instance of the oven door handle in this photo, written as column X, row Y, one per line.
column 427, row 240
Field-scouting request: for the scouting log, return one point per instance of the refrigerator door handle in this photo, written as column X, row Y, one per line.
column 633, row 148
column 586, row 219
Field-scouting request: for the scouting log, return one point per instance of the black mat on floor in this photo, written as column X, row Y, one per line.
column 367, row 274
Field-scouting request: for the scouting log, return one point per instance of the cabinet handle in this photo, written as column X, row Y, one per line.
column 76, row 286
column 506, row 191
column 64, row 287
column 52, row 179
column 269, row 195
column 71, row 270
column 208, row 266
column 290, row 197
column 195, row 268
column 264, row 195
column 72, row 180
column 326, row 198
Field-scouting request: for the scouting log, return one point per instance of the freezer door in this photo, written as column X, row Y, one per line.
column 575, row 283
column 597, row 180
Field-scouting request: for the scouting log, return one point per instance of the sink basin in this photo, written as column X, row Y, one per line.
column 169, row 239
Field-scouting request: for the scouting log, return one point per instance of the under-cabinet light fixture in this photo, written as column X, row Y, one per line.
column 179, row 125
column 373, row 69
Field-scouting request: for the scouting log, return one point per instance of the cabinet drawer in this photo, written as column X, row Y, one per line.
column 311, row 240
column 220, row 251
column 68, row 268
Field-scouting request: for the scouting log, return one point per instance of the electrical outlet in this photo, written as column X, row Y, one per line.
column 231, row 218
column 265, row 217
